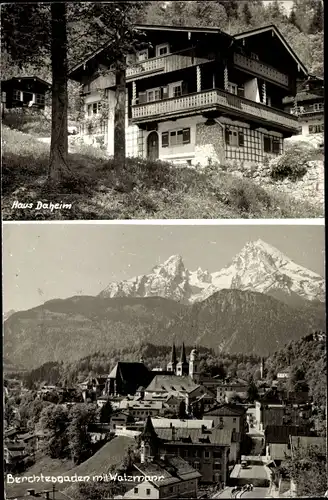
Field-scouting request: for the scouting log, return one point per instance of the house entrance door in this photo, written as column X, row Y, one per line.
column 152, row 146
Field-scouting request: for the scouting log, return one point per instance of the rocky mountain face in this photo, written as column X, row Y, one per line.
column 257, row 303
column 257, row 267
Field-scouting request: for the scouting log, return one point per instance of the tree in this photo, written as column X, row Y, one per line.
column 316, row 25
column 54, row 420
column 252, row 392
column 79, row 440
column 106, row 412
column 247, row 14
column 182, row 410
column 307, row 468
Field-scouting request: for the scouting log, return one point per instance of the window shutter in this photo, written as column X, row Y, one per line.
column 186, row 135
column 267, row 144
column 184, row 88
column 227, row 136
column 165, row 92
column 241, row 139
column 276, row 146
column 142, row 97
column 165, row 139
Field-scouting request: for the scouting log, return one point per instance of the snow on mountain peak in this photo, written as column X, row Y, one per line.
column 257, row 267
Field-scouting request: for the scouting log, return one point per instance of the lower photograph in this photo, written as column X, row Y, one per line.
column 164, row 361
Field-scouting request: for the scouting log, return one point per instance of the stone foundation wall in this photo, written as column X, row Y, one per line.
column 310, row 188
column 209, row 144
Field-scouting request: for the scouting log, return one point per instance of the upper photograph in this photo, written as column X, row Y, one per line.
column 162, row 110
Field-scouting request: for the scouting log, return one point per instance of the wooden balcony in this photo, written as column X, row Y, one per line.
column 214, row 100
column 310, row 109
column 164, row 64
column 260, row 69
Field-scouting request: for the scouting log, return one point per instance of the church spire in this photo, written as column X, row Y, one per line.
column 183, row 357
column 173, row 355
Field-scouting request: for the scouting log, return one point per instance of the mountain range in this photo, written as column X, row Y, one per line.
column 258, row 267
column 257, row 303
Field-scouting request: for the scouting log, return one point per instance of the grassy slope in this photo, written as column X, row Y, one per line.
column 141, row 190
column 112, row 453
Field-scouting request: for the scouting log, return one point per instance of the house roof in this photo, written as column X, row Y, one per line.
column 171, row 383
column 167, row 423
column 142, row 404
column 129, row 371
column 226, row 410
column 218, row 437
column 272, row 27
column 19, row 78
column 150, row 27
column 303, row 97
column 280, row 433
column 174, row 470
column 148, row 431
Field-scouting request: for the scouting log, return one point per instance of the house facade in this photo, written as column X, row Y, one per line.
column 308, row 106
column 195, row 94
column 227, row 416
column 24, row 92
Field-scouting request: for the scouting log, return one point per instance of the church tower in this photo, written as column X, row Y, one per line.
column 182, row 366
column 172, row 365
column 194, row 365
column 149, row 442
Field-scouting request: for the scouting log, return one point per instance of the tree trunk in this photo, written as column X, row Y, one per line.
column 119, row 115
column 59, row 141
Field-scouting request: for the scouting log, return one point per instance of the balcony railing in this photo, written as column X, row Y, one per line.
column 311, row 108
column 212, row 100
column 164, row 64
column 261, row 69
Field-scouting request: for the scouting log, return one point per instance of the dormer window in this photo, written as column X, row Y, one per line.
column 162, row 50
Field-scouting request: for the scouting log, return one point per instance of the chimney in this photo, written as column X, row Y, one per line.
column 173, row 433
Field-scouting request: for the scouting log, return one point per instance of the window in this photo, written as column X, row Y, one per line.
column 135, row 490
column 271, row 144
column 196, row 465
column 234, row 137
column 318, row 107
column 142, row 55
column 234, row 420
column 177, row 90
column 153, row 94
column 39, row 98
column 16, row 95
column 207, row 454
column 148, row 491
column 217, row 466
column 217, row 454
column 176, row 138
column 94, row 108
column 316, row 129
column 233, row 88
column 162, row 50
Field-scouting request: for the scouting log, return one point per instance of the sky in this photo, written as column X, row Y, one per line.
column 47, row 261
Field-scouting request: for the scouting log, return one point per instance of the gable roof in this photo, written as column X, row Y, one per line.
column 272, row 27
column 281, row 433
column 226, row 410
column 171, row 383
column 169, row 470
column 19, row 78
column 129, row 371
column 217, row 437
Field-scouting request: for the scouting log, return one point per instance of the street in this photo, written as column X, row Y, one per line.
column 256, row 493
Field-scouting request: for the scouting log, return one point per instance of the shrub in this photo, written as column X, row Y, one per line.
column 293, row 164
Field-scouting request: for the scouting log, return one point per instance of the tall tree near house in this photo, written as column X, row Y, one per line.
column 247, row 14
column 316, row 25
column 59, row 140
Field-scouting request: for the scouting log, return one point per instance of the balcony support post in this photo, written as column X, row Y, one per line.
column 134, row 92
column 264, row 96
column 226, row 78
column 198, row 79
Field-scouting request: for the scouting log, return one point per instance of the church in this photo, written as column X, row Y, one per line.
column 182, row 367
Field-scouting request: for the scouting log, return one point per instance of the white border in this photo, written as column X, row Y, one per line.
column 182, row 222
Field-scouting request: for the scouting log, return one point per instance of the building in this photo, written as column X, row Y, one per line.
column 277, row 440
column 196, row 93
column 229, row 389
column 164, row 385
column 25, row 92
column 165, row 476
column 227, row 416
column 98, row 432
column 168, row 423
column 308, row 105
column 282, row 408
column 93, row 387
column 140, row 409
column 126, row 377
